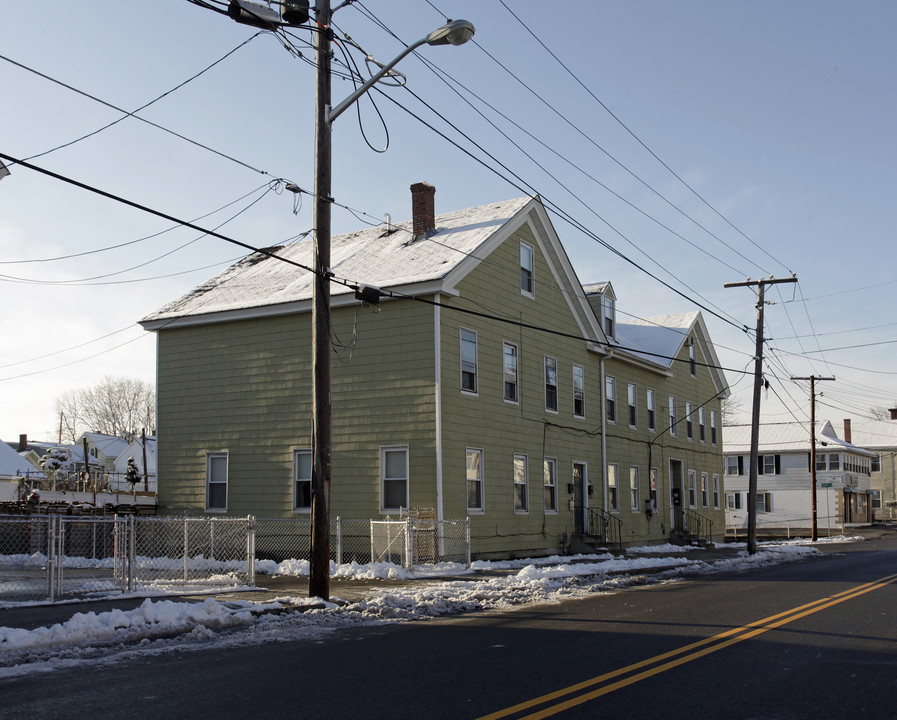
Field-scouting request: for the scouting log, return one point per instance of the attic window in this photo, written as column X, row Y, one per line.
column 607, row 304
column 527, row 281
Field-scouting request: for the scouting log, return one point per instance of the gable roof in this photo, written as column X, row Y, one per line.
column 785, row 437
column 11, row 463
column 386, row 258
column 879, row 434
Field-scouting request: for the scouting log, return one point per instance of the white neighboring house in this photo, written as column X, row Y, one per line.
column 843, row 491
column 12, row 467
column 880, row 436
column 102, row 448
column 135, row 450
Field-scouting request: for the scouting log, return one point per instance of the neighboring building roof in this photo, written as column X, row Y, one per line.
column 135, row 450
column 375, row 256
column 111, row 446
column 877, row 434
column 11, row 463
column 785, row 437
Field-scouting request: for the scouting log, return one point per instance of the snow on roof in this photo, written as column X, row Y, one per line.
column 375, row 256
column 878, row 434
column 785, row 437
column 656, row 339
column 11, row 463
column 110, row 445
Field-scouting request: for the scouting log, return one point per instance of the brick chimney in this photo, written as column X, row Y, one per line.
column 847, row 430
column 23, row 442
column 423, row 209
column 893, row 412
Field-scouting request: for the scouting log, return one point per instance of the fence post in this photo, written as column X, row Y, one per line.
column 51, row 557
column 467, row 539
column 132, row 552
column 60, row 552
column 371, row 538
column 250, row 549
column 339, row 541
column 409, row 544
column 186, row 548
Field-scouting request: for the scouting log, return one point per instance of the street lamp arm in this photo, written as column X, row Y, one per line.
column 334, row 113
column 454, row 32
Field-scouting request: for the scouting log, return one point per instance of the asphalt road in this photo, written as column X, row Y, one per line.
column 816, row 639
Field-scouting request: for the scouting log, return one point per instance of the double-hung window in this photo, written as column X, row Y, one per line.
column 672, row 407
column 689, row 421
column 610, row 391
column 551, row 384
column 768, row 464
column 713, row 427
column 692, row 360
column 613, row 500
column 509, row 371
column 474, row 480
column 632, row 396
column 468, row 361
column 521, row 501
column 216, row 481
column 734, row 465
column 550, row 477
column 302, row 480
column 393, row 478
column 702, row 427
column 716, row 491
column 634, row 495
column 651, row 401
column 527, row 281
column 579, row 392
column 705, row 490
column 692, row 489
column 609, row 316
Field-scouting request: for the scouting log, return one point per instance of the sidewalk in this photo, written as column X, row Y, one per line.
column 344, row 590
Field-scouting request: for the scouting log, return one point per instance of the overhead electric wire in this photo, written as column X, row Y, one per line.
column 648, row 149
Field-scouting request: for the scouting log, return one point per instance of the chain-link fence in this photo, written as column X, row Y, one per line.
column 56, row 556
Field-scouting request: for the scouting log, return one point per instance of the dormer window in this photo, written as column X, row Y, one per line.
column 527, row 283
column 607, row 303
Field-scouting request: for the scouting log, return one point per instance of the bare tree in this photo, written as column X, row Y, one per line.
column 730, row 409
column 115, row 406
column 880, row 412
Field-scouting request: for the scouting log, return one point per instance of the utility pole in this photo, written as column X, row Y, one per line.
column 755, row 410
column 814, row 533
column 319, row 570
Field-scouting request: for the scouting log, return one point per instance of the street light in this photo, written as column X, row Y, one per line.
column 455, row 32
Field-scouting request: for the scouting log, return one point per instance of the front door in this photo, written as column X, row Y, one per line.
column 580, row 498
column 677, row 492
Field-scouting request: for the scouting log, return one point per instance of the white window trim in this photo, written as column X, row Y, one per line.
column 671, row 412
column 532, row 271
column 557, row 392
column 632, row 404
column 692, row 489
column 652, row 427
column 525, row 483
column 383, row 450
column 613, row 507
column 610, row 380
column 552, row 462
column 635, row 500
column 476, row 362
column 482, row 480
column 689, row 422
column 716, row 491
column 705, row 490
column 583, row 374
column 209, row 455
column 504, row 344
column 296, row 454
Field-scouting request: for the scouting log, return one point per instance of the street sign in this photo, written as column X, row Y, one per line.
column 826, row 485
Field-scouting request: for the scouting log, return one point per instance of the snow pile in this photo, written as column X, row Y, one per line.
column 167, row 625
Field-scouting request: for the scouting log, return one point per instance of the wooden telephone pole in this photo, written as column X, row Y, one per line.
column 813, row 379
column 755, row 410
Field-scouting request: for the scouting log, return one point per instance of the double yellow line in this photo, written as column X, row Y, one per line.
column 595, row 687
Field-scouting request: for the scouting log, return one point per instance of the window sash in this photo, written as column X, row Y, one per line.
column 705, row 491
column 634, row 494
column 475, row 500
column 579, row 391
column 692, row 489
column 713, row 427
column 216, row 481
column 551, row 384
column 632, row 395
column 702, row 428
column 302, row 469
column 527, row 284
column 468, row 361
column 689, row 421
column 650, row 400
column 520, row 484
column 613, row 501
column 509, row 372
column 549, row 473
column 610, row 391
column 672, row 406
column 393, row 478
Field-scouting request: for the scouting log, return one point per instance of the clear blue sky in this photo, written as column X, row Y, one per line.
column 780, row 116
